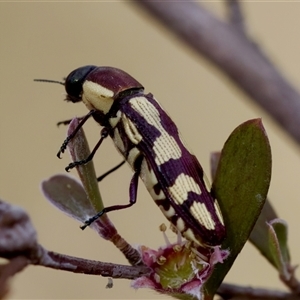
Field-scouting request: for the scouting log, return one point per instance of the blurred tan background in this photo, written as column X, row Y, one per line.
column 48, row 40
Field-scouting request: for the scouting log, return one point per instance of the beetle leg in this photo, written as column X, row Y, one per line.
column 66, row 141
column 100, row 178
column 132, row 195
column 104, row 135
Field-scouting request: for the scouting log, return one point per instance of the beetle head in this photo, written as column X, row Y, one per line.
column 99, row 87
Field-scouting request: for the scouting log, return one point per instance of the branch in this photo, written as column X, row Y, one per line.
column 18, row 244
column 243, row 62
column 292, row 282
column 229, row 291
column 235, row 15
column 86, row 266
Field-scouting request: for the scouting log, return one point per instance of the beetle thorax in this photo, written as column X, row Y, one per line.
column 95, row 96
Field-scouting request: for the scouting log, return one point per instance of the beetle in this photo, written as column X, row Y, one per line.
column 151, row 144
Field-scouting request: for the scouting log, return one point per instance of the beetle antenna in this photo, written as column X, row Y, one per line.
column 47, row 80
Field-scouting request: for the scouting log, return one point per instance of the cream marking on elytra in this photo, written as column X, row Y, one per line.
column 180, row 225
column 119, row 141
column 218, row 212
column 113, row 121
column 148, row 176
column 165, row 146
column 183, row 184
column 132, row 156
column 95, row 96
column 160, row 196
column 131, row 130
column 150, row 180
column 168, row 213
column 189, row 235
column 199, row 212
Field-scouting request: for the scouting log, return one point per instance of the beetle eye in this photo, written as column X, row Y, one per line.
column 74, row 82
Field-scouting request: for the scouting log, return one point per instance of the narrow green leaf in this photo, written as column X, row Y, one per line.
column 259, row 236
column 278, row 235
column 241, row 185
column 79, row 150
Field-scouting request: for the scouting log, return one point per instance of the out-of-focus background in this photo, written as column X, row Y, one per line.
column 48, row 40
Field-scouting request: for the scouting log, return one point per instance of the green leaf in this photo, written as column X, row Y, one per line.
column 241, row 185
column 278, row 233
column 259, row 236
column 79, row 150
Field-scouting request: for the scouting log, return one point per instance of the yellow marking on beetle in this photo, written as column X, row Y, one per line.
column 189, row 235
column 148, row 175
column 132, row 155
column 160, row 196
column 168, row 213
column 218, row 212
column 118, row 141
column 183, row 184
column 113, row 121
column 165, row 146
column 150, row 180
column 199, row 212
column 180, row 225
column 95, row 96
column 131, row 130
